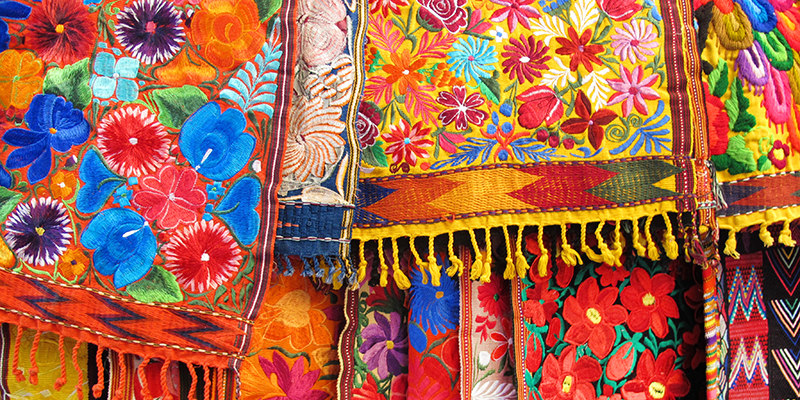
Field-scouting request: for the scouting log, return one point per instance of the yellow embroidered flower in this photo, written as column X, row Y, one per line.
column 62, row 185
column 20, row 78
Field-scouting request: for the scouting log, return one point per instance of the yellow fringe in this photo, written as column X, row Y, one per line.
column 670, row 245
column 765, row 236
column 637, row 240
column 418, row 259
column 400, row 277
column 544, row 256
column 652, row 249
column 785, row 237
column 605, row 252
column 384, row 268
column 568, row 254
column 476, row 270
column 588, row 250
column 618, row 246
column 521, row 262
column 510, row 267
column 433, row 266
column 730, row 245
column 486, row 276
column 362, row 263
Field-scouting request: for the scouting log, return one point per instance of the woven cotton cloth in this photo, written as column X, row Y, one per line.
column 142, row 145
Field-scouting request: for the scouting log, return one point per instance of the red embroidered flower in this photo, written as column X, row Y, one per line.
column 553, row 332
column 504, row 338
column 566, row 378
column 717, row 123
column 368, row 390
column 462, row 109
column 593, row 316
column 484, row 324
column 533, row 353
column 407, row 143
column 593, row 121
column 692, row 348
column 386, row 6
column 540, row 104
column 515, row 11
column 619, row 10
column 621, row 363
column 540, row 305
column 656, row 379
column 611, row 275
column 778, row 154
column 649, row 302
column 132, row 141
column 61, row 31
column 525, row 58
column 579, row 50
column 440, row 14
column 493, row 297
column 202, row 256
column 171, row 198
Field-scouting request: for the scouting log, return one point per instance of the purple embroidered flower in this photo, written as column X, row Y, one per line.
column 39, row 231
column 753, row 66
column 385, row 346
column 150, row 30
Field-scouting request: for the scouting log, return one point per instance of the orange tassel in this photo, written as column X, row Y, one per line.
column 62, row 379
column 220, row 391
column 15, row 358
column 97, row 389
column 164, row 368
column 34, row 377
column 146, row 395
column 193, row 374
column 207, row 381
column 77, row 366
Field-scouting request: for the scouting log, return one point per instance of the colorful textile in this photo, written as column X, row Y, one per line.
column 494, row 114
column 320, row 164
column 628, row 332
column 752, row 90
column 142, row 144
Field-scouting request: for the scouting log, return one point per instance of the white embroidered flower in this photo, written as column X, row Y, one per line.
column 498, row 34
column 483, row 359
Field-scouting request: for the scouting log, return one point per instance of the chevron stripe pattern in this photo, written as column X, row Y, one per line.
column 745, row 296
column 750, row 365
column 787, row 313
column 789, row 363
column 785, row 261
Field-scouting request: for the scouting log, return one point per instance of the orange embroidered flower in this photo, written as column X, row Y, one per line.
column 62, row 185
column 184, row 70
column 228, row 31
column 20, row 78
column 403, row 72
column 7, row 259
column 73, row 263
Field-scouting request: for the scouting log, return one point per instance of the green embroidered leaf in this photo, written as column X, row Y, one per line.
column 721, row 162
column 764, row 163
column 71, row 82
column 375, row 156
column 266, row 8
column 175, row 105
column 158, row 286
column 718, row 79
column 742, row 159
column 740, row 119
column 8, row 200
column 491, row 89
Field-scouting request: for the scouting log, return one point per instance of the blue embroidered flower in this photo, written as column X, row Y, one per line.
column 115, row 76
column 10, row 10
column 52, row 123
column 122, row 196
column 473, row 58
column 434, row 308
column 215, row 191
column 215, row 144
column 124, row 245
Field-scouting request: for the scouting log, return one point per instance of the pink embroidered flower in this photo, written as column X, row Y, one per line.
column 440, row 14
column 515, row 11
column 634, row 41
column 462, row 109
column 407, row 143
column 132, row 141
column 386, row 7
column 171, row 198
column 633, row 89
column 202, row 256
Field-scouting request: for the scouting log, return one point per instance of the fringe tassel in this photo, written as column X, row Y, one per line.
column 400, row 277
column 307, row 271
column 730, row 245
column 605, row 252
column 97, row 389
column 590, row 254
column 119, row 394
column 146, row 395
column 166, row 395
column 652, row 249
column 785, row 238
column 510, row 267
column 520, row 261
column 318, row 272
column 289, row 270
column 206, row 383
column 486, row 276
column 417, row 259
column 433, row 266
column 568, row 254
column 544, row 255
column 616, row 251
column 384, row 267
column 456, row 265
column 20, row 376
column 77, row 366
column 670, row 245
column 193, row 386
column 220, row 386
column 34, row 372
column 362, row 262
column 62, row 358
column 637, row 240
column 477, row 266
column 765, row 235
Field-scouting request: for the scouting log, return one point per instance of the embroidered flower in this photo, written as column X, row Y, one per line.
column 525, row 58
column 386, row 7
column 621, row 10
column 403, row 72
column 498, row 34
column 632, row 90
column 472, row 58
column 540, row 105
column 588, row 120
column 611, row 275
column 778, row 154
column 171, row 198
column 202, row 256
column 150, row 30
column 579, row 50
column 440, row 14
column 313, row 140
column 407, row 143
column 593, row 317
column 10, row 9
column 228, row 32
column 493, row 297
column 39, row 231
column 73, row 263
column 114, row 76
column 567, row 378
column 648, row 299
column 656, row 379
column 504, row 338
column 634, row 40
column 434, row 308
column 369, row 116
column 541, row 305
column 295, row 382
column 513, row 11
column 693, row 348
column 122, row 196
column 52, row 123
column 132, row 141
column 463, row 108
column 62, row 185
column 20, row 78
column 61, row 31
column 385, row 346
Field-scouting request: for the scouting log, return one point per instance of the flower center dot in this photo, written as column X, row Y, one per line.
column 524, row 59
column 53, row 131
column 133, row 140
column 204, row 257
column 40, row 231
column 634, row 42
column 471, row 58
column 61, row 184
column 648, row 299
column 591, row 123
column 657, row 390
column 439, row 294
column 633, row 91
column 407, row 141
column 405, row 72
column 59, row 28
column 389, row 344
column 580, row 48
column 594, row 315
column 171, row 197
column 566, row 384
column 150, row 27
